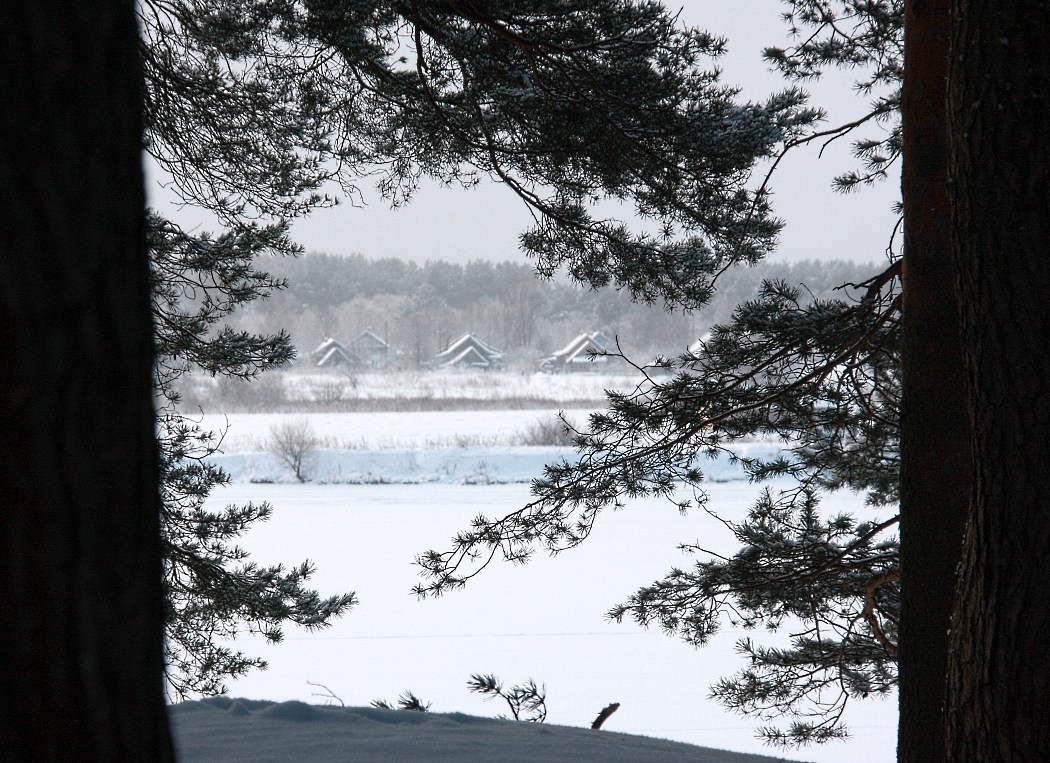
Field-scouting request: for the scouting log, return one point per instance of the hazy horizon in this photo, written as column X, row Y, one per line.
column 484, row 223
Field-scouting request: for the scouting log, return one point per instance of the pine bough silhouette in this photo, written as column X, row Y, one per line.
column 407, row 701
column 526, row 701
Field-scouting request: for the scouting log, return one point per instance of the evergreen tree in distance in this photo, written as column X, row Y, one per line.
column 253, row 108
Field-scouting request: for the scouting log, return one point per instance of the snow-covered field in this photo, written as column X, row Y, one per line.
column 333, row 390
column 444, row 385
column 392, row 485
column 410, row 430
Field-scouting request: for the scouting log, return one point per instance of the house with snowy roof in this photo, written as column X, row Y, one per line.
column 587, row 352
column 365, row 351
column 331, row 353
column 469, row 352
column 369, row 350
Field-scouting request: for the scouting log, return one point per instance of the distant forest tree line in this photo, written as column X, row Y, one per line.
column 418, row 309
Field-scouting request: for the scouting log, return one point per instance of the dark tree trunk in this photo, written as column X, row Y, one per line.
column 81, row 603
column 999, row 103
column 935, row 441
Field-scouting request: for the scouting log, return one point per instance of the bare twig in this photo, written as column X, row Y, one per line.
column 327, row 694
column 869, row 610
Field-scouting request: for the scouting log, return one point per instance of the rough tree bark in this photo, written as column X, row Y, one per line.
column 935, row 427
column 81, row 603
column 999, row 104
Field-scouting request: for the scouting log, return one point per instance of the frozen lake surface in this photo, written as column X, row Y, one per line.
column 544, row 620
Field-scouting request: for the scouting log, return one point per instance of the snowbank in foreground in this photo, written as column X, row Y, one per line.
column 458, row 466
column 244, row 730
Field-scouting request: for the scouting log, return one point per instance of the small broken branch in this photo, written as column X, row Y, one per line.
column 604, row 714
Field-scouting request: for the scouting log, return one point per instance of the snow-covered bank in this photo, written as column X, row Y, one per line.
column 455, row 466
column 416, row 448
column 243, row 730
column 421, row 430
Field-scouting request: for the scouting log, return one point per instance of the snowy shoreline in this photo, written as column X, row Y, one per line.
column 481, row 465
column 417, row 448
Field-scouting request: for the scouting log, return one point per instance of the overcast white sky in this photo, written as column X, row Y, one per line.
column 484, row 223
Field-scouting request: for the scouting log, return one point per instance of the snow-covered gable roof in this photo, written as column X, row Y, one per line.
column 368, row 340
column 370, row 350
column 469, row 347
column 469, row 357
column 326, row 345
column 335, row 357
column 584, row 348
column 571, row 346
